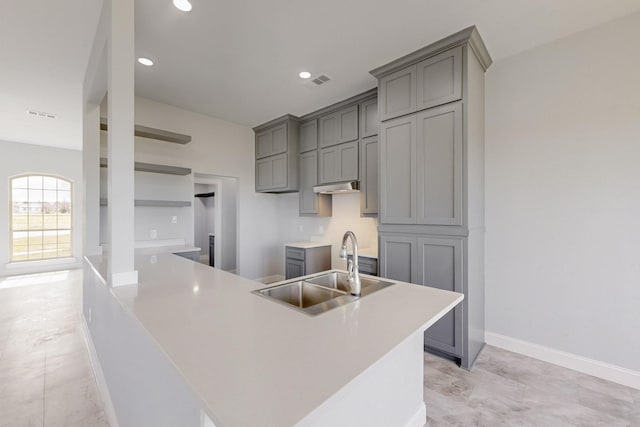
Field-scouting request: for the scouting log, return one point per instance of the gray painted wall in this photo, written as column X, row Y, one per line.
column 563, row 195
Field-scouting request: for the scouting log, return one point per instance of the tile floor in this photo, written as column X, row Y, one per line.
column 45, row 375
column 46, row 379
column 508, row 389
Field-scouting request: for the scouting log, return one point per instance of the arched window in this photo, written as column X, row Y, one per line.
column 40, row 218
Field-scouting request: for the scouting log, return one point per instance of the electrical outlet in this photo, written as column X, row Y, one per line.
column 174, row 220
column 89, row 315
column 301, row 228
column 154, row 234
column 154, row 259
column 320, row 229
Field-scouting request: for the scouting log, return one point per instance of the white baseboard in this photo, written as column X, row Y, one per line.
column 419, row 419
column 103, row 390
column 603, row 370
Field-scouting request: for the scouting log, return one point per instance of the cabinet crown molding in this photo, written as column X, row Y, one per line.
column 469, row 35
column 273, row 122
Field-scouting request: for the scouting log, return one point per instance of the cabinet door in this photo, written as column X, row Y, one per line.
column 328, row 164
column 397, row 257
column 369, row 118
column 308, row 136
column 294, row 268
column 369, row 176
column 263, row 144
column 271, row 173
column 348, row 161
column 440, row 79
column 348, row 124
column 279, row 139
column 398, row 174
column 328, row 133
column 397, row 93
column 308, row 178
column 439, row 189
column 440, row 266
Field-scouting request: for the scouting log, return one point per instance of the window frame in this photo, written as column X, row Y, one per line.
column 10, row 188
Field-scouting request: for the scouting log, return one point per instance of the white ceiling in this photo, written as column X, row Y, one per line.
column 44, row 48
column 238, row 60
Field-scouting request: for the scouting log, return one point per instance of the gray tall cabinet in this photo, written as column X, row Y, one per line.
column 431, row 174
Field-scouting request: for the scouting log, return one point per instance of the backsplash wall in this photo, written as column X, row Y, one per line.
column 346, row 216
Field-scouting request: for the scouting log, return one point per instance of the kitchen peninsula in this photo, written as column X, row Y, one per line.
column 190, row 345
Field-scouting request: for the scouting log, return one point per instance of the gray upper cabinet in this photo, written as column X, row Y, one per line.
column 435, row 81
column 328, row 133
column 348, row 124
column 439, row 171
column 311, row 204
column 338, row 163
column 439, row 79
column 272, row 141
column 439, row 265
column 271, row 173
column 397, row 95
column 398, row 175
column 308, row 135
column 369, row 176
column 369, row 118
column 277, row 155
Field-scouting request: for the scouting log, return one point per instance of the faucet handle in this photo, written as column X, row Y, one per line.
column 350, row 267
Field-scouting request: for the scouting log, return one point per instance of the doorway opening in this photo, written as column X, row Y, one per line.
column 215, row 220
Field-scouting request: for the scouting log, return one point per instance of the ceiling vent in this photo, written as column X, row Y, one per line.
column 320, row 80
column 40, row 114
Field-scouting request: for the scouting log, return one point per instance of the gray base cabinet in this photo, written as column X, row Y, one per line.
column 434, row 261
column 367, row 265
column 431, row 149
column 303, row 261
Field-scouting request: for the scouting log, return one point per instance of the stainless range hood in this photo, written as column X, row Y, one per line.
column 338, row 188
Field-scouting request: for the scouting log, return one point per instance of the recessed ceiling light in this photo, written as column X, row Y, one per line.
column 183, row 5
column 304, row 74
column 145, row 61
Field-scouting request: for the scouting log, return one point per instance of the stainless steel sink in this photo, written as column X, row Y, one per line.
column 300, row 294
column 318, row 294
column 337, row 280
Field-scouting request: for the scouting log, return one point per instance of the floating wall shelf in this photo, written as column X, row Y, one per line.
column 152, row 133
column 150, row 167
column 155, row 203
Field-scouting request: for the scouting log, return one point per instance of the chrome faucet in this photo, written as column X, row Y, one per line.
column 352, row 264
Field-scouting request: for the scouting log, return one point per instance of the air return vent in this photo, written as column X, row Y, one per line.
column 41, row 114
column 320, row 80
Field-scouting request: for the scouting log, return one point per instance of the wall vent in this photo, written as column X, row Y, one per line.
column 41, row 114
column 320, row 80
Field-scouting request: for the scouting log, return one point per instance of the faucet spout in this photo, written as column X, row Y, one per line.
column 352, row 265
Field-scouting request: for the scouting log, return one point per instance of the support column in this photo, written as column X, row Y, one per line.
column 91, row 178
column 121, row 139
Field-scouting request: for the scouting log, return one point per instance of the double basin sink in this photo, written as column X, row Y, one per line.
column 318, row 294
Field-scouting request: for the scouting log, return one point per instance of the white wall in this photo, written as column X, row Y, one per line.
column 154, row 186
column 346, row 216
column 18, row 158
column 563, row 195
column 218, row 148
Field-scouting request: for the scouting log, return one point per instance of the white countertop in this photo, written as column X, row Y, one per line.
column 253, row 362
column 307, row 245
